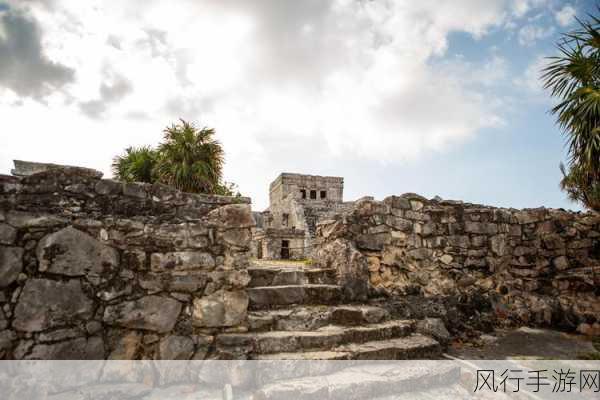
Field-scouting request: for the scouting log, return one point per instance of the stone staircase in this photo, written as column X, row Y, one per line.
column 297, row 312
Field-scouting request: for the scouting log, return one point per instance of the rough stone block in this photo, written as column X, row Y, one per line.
column 108, row 187
column 232, row 216
column 45, row 304
column 222, row 308
column 20, row 219
column 153, row 313
column 175, row 347
column 11, row 264
column 237, row 237
column 72, row 252
column 77, row 349
column 126, row 346
column 182, row 261
column 136, row 189
column 8, row 234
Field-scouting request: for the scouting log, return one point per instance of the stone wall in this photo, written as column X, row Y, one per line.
column 534, row 266
column 92, row 268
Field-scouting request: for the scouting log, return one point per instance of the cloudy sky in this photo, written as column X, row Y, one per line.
column 438, row 97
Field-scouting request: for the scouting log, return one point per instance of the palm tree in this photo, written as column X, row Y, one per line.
column 580, row 186
column 136, row 165
column 190, row 160
column 574, row 78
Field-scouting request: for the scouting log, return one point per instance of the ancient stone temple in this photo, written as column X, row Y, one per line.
column 92, row 268
column 296, row 203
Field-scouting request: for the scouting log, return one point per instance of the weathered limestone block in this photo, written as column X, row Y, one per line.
column 352, row 268
column 8, row 234
column 45, row 304
column 446, row 259
column 6, row 340
column 232, row 216
column 136, row 189
column 78, row 349
column 397, row 202
column 187, row 282
column 398, row 223
column 72, row 252
column 498, row 245
column 561, row 263
column 222, row 308
column 108, row 187
column 530, row 216
column 237, row 237
column 59, row 335
column 459, row 241
column 20, row 219
column 175, row 347
column 481, row 228
column 126, row 346
column 420, row 254
column 153, row 313
column 372, row 241
column 553, row 241
column 11, row 264
column 434, row 327
column 182, row 261
column 171, row 235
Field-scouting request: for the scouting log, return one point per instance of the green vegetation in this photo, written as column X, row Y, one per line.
column 573, row 77
column 188, row 159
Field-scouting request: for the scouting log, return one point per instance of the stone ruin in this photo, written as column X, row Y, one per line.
column 91, row 268
column 286, row 229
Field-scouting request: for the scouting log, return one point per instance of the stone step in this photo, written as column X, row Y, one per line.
column 367, row 382
column 261, row 276
column 272, row 296
column 414, row 346
column 325, row 338
column 308, row 318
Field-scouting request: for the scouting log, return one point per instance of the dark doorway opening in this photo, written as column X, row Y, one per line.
column 303, row 193
column 259, row 250
column 323, row 194
column 313, row 194
column 285, row 249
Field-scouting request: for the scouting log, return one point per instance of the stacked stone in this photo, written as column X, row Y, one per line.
column 92, row 268
column 537, row 266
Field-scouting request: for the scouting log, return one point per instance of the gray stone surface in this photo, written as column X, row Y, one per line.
column 175, row 347
column 11, row 264
column 182, row 261
column 78, row 349
column 8, row 234
column 45, row 304
column 222, row 308
column 153, row 313
column 71, row 252
column 434, row 327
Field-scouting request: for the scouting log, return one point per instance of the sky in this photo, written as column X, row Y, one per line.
column 433, row 97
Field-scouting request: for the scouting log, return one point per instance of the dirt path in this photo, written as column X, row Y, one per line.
column 524, row 343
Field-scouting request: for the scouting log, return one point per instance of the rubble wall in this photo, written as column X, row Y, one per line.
column 92, row 268
column 533, row 266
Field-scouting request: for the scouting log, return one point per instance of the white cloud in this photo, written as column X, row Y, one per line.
column 522, row 7
column 566, row 15
column 279, row 80
column 531, row 81
column 530, row 34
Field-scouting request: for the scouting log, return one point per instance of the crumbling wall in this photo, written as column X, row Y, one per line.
column 92, row 268
column 534, row 266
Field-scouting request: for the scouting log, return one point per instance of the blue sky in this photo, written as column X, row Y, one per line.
column 433, row 97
